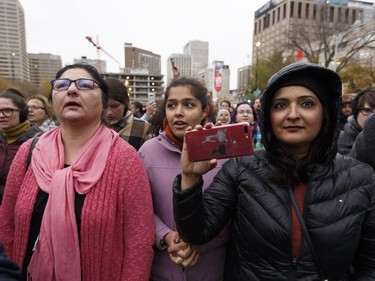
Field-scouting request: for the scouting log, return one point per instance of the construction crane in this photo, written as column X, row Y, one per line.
column 98, row 50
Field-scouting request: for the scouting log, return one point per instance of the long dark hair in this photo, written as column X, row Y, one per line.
column 198, row 90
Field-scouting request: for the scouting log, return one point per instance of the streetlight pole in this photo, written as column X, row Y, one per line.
column 257, row 45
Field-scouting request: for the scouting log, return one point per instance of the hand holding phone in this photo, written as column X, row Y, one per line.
column 219, row 142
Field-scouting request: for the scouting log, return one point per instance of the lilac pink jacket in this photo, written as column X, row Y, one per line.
column 162, row 161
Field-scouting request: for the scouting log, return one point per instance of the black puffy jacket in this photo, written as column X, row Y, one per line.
column 339, row 212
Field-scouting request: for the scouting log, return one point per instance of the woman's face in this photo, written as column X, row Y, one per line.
column 182, row 110
column 224, row 117
column 296, row 118
column 361, row 118
column 244, row 114
column 37, row 113
column 114, row 111
column 11, row 118
column 78, row 106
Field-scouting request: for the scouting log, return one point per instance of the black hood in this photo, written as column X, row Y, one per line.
column 325, row 83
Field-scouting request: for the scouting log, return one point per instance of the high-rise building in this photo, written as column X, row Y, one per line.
column 43, row 67
column 14, row 62
column 136, row 58
column 199, row 56
column 139, row 84
column 182, row 62
column 243, row 78
column 277, row 21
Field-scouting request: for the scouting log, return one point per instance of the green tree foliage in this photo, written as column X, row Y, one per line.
column 263, row 70
column 357, row 77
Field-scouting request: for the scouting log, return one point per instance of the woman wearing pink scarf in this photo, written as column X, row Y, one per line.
column 82, row 210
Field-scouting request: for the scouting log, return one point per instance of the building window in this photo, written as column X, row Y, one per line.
column 331, row 13
column 284, row 11
column 314, row 12
column 273, row 17
column 299, row 10
column 255, row 28
column 307, row 11
column 278, row 14
column 347, row 16
column 292, row 9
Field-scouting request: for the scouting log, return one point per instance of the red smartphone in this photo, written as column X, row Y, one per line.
column 219, row 142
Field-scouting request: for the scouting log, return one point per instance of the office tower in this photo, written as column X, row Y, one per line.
column 14, row 63
column 199, row 55
column 276, row 22
column 43, row 67
column 136, row 58
column 243, row 78
column 182, row 62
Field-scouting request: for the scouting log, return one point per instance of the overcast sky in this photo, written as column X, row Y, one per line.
column 162, row 27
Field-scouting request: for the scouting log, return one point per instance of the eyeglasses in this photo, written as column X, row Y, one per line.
column 7, row 112
column 35, row 107
column 81, row 84
column 248, row 112
column 366, row 111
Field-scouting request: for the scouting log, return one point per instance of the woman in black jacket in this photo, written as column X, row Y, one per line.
column 298, row 210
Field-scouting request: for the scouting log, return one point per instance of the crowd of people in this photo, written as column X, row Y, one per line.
column 96, row 187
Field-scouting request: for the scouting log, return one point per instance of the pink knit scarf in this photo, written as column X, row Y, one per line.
column 57, row 253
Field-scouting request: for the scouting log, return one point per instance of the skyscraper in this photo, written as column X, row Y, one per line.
column 43, row 67
column 14, row 63
column 199, row 56
column 136, row 58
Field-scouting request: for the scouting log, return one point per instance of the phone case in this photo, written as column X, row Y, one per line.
column 219, row 142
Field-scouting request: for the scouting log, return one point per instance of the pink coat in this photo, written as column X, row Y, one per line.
column 117, row 228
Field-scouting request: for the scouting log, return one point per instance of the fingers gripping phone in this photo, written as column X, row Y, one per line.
column 219, row 142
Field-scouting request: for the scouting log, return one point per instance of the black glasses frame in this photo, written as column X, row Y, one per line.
column 79, row 87
column 8, row 112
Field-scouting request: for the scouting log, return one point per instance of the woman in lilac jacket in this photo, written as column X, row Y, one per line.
column 186, row 104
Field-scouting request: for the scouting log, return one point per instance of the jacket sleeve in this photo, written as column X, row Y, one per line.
column 364, row 149
column 139, row 223
column 364, row 262
column 16, row 173
column 9, row 271
column 201, row 216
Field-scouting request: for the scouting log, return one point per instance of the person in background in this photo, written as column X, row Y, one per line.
column 186, row 103
column 137, row 109
column 257, row 108
column 9, row 271
column 223, row 116
column 150, row 111
column 82, row 209
column 120, row 118
column 41, row 113
column 346, row 111
column 226, row 105
column 363, row 148
column 299, row 210
column 15, row 129
column 244, row 112
column 363, row 105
